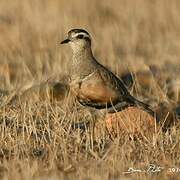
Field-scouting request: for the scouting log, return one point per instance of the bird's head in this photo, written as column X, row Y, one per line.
column 78, row 39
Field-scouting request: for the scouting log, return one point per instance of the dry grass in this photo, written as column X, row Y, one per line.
column 36, row 138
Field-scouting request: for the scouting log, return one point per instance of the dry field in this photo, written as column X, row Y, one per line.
column 36, row 138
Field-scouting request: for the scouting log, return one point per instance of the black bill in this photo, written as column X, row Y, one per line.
column 65, row 41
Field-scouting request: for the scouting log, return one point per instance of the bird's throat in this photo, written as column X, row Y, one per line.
column 82, row 62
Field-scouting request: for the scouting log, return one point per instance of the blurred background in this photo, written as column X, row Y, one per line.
column 138, row 40
column 127, row 35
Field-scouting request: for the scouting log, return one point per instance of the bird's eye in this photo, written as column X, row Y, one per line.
column 80, row 36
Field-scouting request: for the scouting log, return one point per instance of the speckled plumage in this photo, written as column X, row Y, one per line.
column 92, row 83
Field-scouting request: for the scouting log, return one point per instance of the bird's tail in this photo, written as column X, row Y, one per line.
column 142, row 105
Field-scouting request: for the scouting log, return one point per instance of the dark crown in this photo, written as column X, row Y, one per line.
column 77, row 31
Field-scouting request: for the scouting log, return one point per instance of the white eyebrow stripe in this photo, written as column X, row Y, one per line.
column 81, row 33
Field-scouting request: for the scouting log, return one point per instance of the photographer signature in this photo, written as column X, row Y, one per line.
column 152, row 168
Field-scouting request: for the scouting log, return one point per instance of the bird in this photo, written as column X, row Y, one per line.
column 93, row 84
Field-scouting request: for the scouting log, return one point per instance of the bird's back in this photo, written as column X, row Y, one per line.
column 112, row 80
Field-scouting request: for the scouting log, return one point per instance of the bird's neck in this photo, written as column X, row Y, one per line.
column 82, row 63
column 82, row 54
